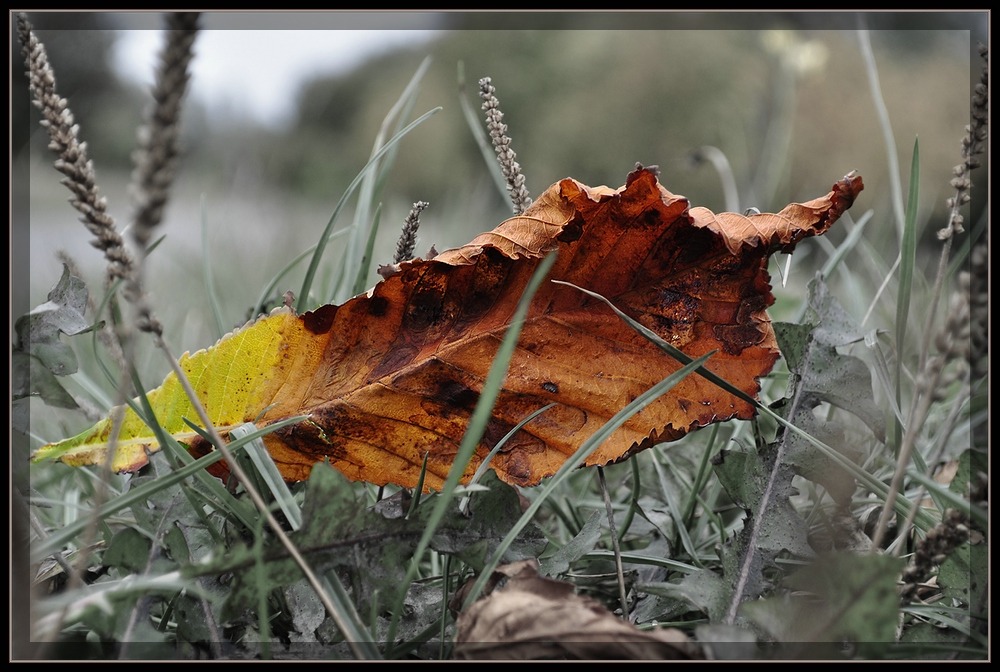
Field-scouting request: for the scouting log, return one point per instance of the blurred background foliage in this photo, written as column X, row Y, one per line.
column 785, row 99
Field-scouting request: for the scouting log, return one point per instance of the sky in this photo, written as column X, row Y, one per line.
column 277, row 62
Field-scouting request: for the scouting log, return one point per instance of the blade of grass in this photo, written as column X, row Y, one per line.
column 373, row 180
column 464, row 504
column 619, row 571
column 633, row 503
column 268, row 470
column 473, row 434
column 638, row 559
column 570, row 465
column 675, row 511
column 837, row 255
column 881, row 368
column 206, row 267
column 895, row 183
column 419, row 490
column 502, row 442
column 66, row 534
column 700, row 478
column 907, row 256
column 848, row 245
column 720, row 162
column 361, row 280
column 355, row 628
column 269, row 289
column 879, row 488
column 303, row 301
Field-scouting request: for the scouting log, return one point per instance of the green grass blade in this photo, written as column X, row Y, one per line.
column 675, row 511
column 701, row 477
column 419, row 490
column 474, row 433
column 361, row 280
column 356, row 631
column 206, row 265
column 638, row 559
column 371, row 185
column 268, row 471
column 302, row 305
column 907, row 256
column 677, row 354
column 848, row 245
column 924, row 520
column 633, row 502
column 496, row 449
column 570, row 465
column 502, row 442
column 269, row 289
column 895, row 183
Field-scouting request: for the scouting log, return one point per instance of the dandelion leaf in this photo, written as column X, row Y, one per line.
column 746, row 474
column 842, row 598
column 823, row 375
column 39, row 355
column 393, row 375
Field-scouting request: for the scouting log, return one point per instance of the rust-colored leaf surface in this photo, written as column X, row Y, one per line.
column 396, row 373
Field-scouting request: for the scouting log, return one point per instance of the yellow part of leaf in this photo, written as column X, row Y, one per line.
column 234, row 380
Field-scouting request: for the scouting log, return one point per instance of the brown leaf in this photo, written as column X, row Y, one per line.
column 534, row 617
column 395, row 374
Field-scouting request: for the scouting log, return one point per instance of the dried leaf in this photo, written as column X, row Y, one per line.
column 394, row 374
column 534, row 617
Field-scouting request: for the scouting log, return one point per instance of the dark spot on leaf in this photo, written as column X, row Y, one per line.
column 736, row 338
column 426, row 306
column 377, row 306
column 455, row 394
column 320, row 320
column 572, row 230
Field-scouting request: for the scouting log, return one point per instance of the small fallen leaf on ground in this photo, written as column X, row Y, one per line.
column 394, row 374
column 534, row 617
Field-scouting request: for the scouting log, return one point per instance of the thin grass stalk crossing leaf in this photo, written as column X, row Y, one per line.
column 66, row 534
column 265, row 466
column 474, row 433
column 589, row 446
